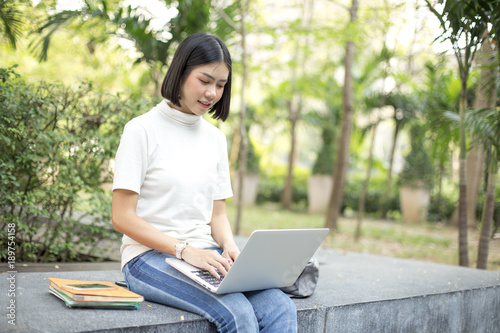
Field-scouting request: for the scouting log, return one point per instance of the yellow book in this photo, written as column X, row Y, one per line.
column 117, row 294
column 71, row 303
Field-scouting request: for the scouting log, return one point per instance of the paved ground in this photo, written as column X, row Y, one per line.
column 68, row 266
column 356, row 293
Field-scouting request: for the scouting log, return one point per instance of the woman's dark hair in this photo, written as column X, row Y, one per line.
column 197, row 50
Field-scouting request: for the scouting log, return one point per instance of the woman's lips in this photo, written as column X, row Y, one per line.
column 205, row 105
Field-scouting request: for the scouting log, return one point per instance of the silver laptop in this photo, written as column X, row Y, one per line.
column 270, row 259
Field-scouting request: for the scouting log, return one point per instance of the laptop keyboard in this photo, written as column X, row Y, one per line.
column 206, row 276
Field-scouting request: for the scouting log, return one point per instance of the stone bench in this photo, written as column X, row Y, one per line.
column 356, row 293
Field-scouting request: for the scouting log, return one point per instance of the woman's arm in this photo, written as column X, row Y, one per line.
column 126, row 221
column 221, row 231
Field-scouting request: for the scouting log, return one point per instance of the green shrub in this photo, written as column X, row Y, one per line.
column 417, row 168
column 374, row 196
column 252, row 159
column 56, row 144
column 325, row 159
column 272, row 183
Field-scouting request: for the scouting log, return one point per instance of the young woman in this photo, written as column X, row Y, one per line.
column 171, row 182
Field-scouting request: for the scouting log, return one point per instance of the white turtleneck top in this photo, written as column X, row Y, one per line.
column 178, row 165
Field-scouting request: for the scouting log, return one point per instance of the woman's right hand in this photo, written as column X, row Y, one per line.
column 209, row 260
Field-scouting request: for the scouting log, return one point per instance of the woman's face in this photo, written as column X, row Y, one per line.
column 203, row 88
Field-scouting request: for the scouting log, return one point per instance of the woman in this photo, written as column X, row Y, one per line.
column 171, row 182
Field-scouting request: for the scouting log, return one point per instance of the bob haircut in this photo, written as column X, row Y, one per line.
column 197, row 50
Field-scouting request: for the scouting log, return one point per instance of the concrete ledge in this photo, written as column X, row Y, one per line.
column 356, row 293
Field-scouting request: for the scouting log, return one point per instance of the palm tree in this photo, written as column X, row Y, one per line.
column 440, row 93
column 405, row 108
column 11, row 20
column 132, row 24
column 463, row 27
column 484, row 126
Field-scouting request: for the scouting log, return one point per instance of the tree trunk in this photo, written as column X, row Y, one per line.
column 243, row 131
column 388, row 183
column 439, row 195
column 462, row 203
column 295, row 109
column 342, row 161
column 489, row 208
column 235, row 147
column 475, row 161
column 475, row 166
column 485, row 99
column 362, row 199
column 286, row 199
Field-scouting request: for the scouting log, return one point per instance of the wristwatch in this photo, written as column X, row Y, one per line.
column 179, row 247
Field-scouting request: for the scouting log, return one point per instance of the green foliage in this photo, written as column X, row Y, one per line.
column 484, row 126
column 56, row 144
column 253, row 159
column 442, row 209
column 405, row 106
column 325, row 160
column 441, row 95
column 12, row 20
column 463, row 20
column 128, row 22
column 222, row 27
column 271, row 185
column 329, row 123
column 374, row 196
column 434, row 242
column 417, row 169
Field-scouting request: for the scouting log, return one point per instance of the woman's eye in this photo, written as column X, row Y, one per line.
column 204, row 82
column 220, row 86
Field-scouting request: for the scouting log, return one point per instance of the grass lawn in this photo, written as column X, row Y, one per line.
column 433, row 242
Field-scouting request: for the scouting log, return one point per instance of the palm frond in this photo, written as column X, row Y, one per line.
column 484, row 126
column 52, row 25
column 12, row 20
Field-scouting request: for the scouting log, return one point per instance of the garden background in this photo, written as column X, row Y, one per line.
column 360, row 97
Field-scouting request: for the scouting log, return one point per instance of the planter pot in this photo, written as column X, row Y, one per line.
column 414, row 203
column 318, row 192
column 250, row 188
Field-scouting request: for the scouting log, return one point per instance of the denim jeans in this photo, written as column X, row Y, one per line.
column 256, row 311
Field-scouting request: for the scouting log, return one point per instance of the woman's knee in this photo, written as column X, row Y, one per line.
column 241, row 318
column 286, row 308
column 276, row 312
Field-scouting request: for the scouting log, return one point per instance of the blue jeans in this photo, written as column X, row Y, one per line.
column 265, row 311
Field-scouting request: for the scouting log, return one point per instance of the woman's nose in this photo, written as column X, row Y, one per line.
column 210, row 92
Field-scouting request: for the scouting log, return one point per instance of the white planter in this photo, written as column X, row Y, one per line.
column 318, row 192
column 414, row 203
column 250, row 188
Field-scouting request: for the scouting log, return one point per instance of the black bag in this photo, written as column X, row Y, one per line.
column 306, row 282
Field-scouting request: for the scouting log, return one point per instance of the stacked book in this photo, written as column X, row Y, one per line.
column 94, row 294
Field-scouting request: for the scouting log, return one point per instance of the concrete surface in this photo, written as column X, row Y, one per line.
column 356, row 293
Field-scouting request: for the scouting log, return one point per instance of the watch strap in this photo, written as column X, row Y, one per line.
column 179, row 247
